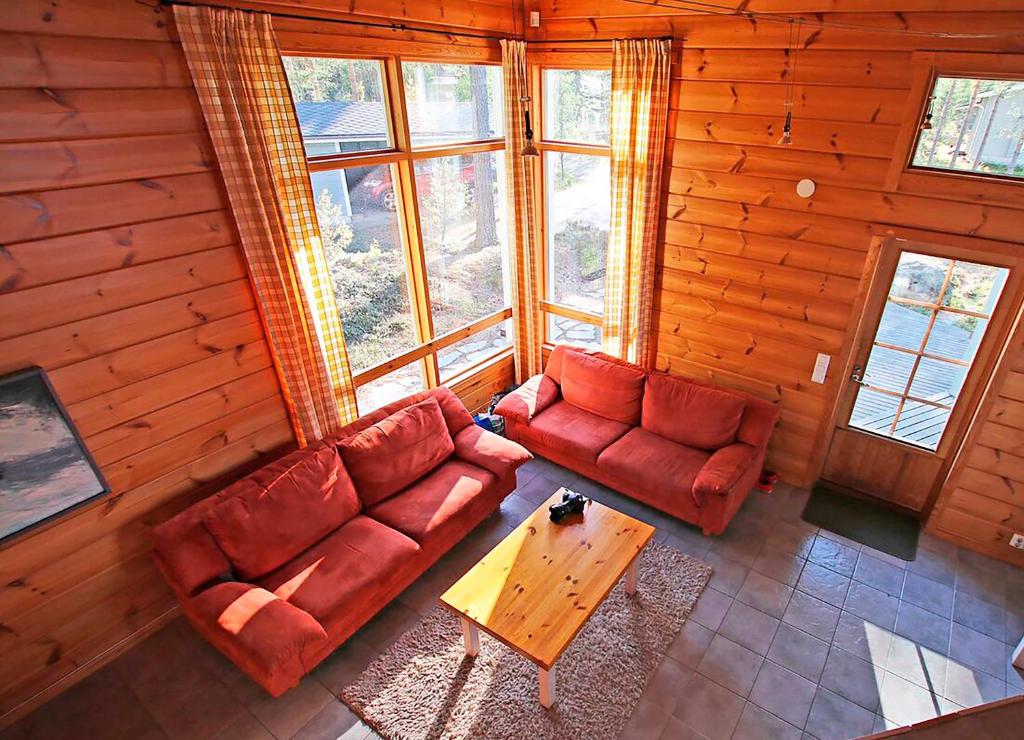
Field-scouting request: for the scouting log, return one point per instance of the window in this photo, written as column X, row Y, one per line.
column 415, row 237
column 933, row 322
column 575, row 196
column 977, row 125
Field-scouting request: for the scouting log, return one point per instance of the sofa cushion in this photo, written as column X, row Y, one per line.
column 430, row 508
column 614, row 391
column 352, row 565
column 270, row 521
column 691, row 414
column 388, row 456
column 578, row 433
column 528, row 400
column 663, row 470
column 259, row 630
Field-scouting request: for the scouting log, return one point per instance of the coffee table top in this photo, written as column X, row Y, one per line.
column 536, row 589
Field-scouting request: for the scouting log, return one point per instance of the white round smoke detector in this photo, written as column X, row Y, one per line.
column 805, row 188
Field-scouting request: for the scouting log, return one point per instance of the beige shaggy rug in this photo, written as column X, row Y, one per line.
column 424, row 685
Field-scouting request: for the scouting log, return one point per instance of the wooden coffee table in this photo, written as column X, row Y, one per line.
column 536, row 589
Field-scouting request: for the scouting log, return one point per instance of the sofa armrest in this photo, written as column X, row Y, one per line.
column 722, row 470
column 528, row 400
column 255, row 627
column 489, row 451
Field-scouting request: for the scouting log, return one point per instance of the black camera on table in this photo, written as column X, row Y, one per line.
column 572, row 503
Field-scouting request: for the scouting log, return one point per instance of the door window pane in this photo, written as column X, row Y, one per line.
column 569, row 331
column 578, row 203
column 946, row 331
column 340, row 104
column 462, row 218
column 577, row 105
column 364, row 252
column 481, row 346
column 391, row 387
column 976, row 127
column 449, row 103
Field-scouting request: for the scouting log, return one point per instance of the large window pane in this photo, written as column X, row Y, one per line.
column 569, row 331
column 578, row 203
column 449, row 103
column 475, row 349
column 367, row 264
column 462, row 218
column 340, row 104
column 395, row 385
column 977, row 126
column 577, row 105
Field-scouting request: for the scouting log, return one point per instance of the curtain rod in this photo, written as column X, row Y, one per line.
column 386, row 26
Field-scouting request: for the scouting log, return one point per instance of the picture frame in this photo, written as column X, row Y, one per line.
column 46, row 471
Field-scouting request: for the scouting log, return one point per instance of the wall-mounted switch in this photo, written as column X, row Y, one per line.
column 534, row 19
column 820, row 368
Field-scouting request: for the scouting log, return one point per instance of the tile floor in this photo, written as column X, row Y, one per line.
column 802, row 634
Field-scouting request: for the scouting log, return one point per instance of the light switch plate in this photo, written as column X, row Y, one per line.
column 820, row 368
column 534, row 19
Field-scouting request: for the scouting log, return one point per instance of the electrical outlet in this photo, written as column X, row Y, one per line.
column 1017, row 541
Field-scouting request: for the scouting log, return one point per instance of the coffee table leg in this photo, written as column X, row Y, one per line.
column 547, row 687
column 631, row 574
column 471, row 636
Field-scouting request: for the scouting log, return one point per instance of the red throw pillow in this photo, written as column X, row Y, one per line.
column 397, row 451
column 608, row 389
column 267, row 523
column 690, row 414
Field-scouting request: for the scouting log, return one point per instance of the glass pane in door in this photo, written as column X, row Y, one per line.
column 935, row 317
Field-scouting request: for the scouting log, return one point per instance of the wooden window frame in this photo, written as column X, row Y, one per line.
column 540, row 63
column 402, row 157
column 903, row 177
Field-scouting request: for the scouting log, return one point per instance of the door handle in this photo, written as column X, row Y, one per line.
column 857, row 375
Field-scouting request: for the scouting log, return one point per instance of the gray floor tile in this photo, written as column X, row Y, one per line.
column 871, row 604
column 923, row 627
column 664, row 685
column 749, row 627
column 730, row 665
column 757, row 724
column 691, row 643
column 879, row 574
column 824, row 584
column 812, row 616
column 863, row 638
column 852, row 678
column 711, row 608
column 971, row 648
column 783, row 693
column 917, row 664
column 710, row 709
column 335, row 721
column 980, row 615
column 937, row 566
column 905, row 702
column 765, row 594
column 647, row 722
column 798, row 651
column 928, row 594
column 728, row 575
column 779, row 564
column 676, row 729
column 970, row 687
column 834, row 718
column 833, row 555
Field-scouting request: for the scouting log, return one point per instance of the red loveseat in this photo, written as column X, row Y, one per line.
column 284, row 565
column 691, row 450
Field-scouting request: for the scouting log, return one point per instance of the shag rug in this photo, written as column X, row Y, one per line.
column 424, row 685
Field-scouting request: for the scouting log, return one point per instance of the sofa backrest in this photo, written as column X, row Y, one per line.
column 608, row 389
column 190, row 556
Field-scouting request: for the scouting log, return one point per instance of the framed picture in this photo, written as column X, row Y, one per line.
column 45, row 469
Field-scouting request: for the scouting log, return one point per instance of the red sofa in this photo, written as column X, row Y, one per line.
column 284, row 565
column 691, row 450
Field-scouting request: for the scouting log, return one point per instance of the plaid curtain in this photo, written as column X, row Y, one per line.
column 523, row 258
column 639, row 117
column 236, row 66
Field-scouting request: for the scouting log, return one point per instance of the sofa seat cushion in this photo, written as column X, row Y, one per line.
column 663, row 470
column 602, row 387
column 350, row 566
column 268, row 518
column 691, row 414
column 402, row 448
column 578, row 433
column 433, row 508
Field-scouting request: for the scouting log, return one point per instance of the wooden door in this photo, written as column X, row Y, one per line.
column 932, row 325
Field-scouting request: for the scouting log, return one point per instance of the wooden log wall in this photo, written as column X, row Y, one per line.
column 753, row 280
column 121, row 275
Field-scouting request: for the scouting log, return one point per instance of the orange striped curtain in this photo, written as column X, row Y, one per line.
column 639, row 117
column 523, row 258
column 236, row 66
